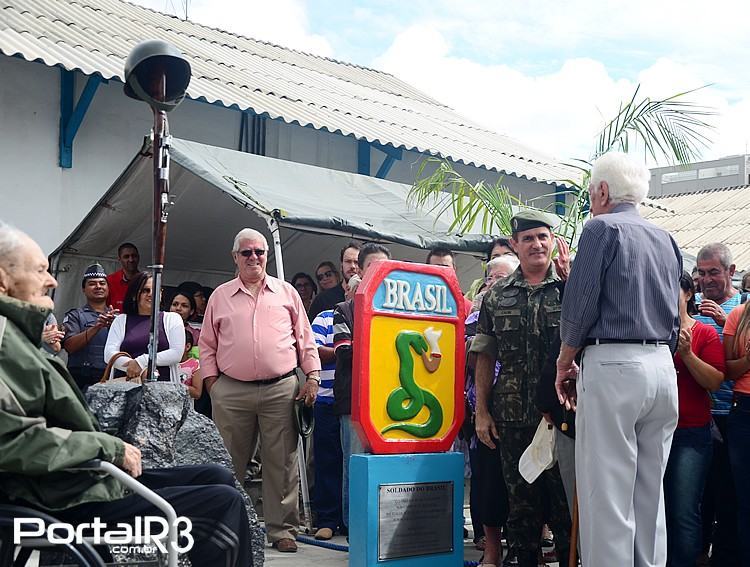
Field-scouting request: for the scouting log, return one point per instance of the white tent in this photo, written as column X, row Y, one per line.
column 217, row 191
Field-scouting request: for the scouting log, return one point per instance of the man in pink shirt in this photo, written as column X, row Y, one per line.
column 255, row 333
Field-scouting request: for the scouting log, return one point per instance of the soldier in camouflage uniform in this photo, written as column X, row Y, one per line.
column 519, row 318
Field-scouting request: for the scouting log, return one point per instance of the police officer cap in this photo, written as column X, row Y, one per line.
column 530, row 218
column 93, row 271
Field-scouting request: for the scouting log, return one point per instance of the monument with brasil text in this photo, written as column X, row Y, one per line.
column 406, row 497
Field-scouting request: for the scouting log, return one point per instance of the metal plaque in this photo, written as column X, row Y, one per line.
column 415, row 519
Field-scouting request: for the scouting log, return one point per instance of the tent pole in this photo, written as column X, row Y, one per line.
column 273, row 226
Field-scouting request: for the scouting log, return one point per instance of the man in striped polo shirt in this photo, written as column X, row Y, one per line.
column 326, row 438
column 715, row 269
column 343, row 327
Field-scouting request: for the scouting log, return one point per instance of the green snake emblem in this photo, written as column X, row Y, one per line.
column 406, row 401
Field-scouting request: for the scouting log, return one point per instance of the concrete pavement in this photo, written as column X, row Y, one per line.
column 310, row 554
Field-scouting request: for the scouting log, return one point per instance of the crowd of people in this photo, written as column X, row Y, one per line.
column 642, row 369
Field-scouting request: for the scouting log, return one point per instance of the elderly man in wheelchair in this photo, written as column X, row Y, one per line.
column 55, row 462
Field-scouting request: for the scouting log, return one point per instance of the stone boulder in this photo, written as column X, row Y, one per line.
column 114, row 404
column 153, row 426
column 158, row 418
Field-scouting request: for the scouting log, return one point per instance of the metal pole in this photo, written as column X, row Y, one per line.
column 160, row 210
column 273, row 226
column 302, row 464
column 156, row 500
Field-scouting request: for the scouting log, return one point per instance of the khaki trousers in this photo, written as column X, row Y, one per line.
column 243, row 410
column 627, row 413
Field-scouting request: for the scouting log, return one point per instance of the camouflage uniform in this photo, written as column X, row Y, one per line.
column 517, row 323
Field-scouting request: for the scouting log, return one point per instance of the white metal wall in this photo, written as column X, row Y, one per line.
column 48, row 202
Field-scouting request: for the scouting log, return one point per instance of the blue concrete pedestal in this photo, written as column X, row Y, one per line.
column 402, row 504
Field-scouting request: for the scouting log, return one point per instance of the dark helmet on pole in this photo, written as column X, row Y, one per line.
column 146, row 63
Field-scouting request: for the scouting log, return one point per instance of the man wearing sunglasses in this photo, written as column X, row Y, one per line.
column 335, row 295
column 255, row 333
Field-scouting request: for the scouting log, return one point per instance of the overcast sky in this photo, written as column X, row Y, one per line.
column 548, row 73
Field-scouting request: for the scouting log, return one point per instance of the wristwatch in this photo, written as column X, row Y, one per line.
column 315, row 377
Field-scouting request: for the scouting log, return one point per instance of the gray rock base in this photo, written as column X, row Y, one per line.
column 158, row 418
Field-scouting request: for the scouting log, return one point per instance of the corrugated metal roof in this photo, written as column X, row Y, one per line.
column 95, row 36
column 697, row 219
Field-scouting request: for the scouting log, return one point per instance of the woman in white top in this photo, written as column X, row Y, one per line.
column 130, row 333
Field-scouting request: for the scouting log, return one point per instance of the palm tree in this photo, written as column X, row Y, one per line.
column 673, row 128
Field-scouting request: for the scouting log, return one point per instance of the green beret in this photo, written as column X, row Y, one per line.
column 530, row 218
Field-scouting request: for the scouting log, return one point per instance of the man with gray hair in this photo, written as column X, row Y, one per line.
column 621, row 309
column 255, row 334
column 715, row 269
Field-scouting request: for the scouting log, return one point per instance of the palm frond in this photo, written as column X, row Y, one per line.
column 672, row 128
column 440, row 189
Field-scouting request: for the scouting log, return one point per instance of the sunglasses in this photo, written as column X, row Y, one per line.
column 327, row 274
column 247, row 253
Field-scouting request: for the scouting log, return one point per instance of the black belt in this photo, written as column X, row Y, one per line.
column 590, row 342
column 276, row 379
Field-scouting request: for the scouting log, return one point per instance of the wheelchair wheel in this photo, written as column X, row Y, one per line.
column 82, row 554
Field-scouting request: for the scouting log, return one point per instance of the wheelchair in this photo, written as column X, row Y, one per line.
column 83, row 554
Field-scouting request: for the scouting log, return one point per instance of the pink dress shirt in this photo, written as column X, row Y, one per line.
column 249, row 339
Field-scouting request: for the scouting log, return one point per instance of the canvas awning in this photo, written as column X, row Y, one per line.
column 217, row 191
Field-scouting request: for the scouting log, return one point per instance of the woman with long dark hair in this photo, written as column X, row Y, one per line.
column 130, row 333
column 184, row 305
column 699, row 362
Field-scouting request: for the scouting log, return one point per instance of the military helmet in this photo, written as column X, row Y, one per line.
column 145, row 64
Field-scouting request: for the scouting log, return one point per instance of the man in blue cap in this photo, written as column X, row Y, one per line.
column 86, row 329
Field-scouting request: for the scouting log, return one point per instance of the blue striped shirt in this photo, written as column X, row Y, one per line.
column 722, row 398
column 322, row 327
column 624, row 283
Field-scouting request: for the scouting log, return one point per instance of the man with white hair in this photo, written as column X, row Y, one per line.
column 501, row 267
column 620, row 308
column 255, row 334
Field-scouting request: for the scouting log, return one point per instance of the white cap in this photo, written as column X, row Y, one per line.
column 540, row 455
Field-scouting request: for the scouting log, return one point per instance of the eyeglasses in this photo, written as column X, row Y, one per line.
column 247, row 253
column 327, row 274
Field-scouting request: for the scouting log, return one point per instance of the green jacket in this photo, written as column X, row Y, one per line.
column 45, row 424
column 518, row 323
